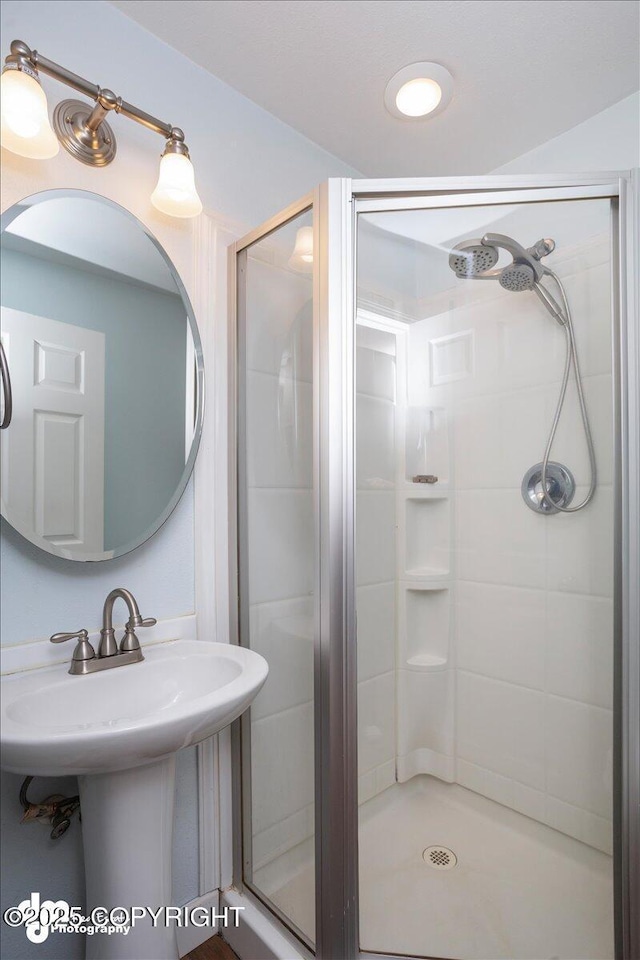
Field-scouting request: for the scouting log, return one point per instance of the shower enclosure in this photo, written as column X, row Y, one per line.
column 435, row 442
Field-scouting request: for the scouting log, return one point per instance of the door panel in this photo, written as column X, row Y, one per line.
column 57, row 432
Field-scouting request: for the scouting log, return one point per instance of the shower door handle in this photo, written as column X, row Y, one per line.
column 6, row 390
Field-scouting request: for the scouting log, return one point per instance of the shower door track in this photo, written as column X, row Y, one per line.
column 336, row 205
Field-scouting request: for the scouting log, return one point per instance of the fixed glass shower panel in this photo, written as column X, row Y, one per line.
column 276, row 566
column 485, row 613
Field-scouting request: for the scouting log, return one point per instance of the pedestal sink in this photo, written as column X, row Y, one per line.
column 119, row 731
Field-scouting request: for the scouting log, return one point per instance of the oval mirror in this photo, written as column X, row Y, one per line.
column 107, row 377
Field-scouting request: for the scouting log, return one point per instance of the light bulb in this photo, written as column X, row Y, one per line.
column 418, row 97
column 303, row 250
column 25, row 122
column 175, row 192
column 418, row 90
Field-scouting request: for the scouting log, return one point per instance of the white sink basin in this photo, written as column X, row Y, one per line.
column 119, row 730
column 182, row 692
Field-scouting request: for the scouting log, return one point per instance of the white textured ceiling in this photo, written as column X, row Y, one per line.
column 524, row 70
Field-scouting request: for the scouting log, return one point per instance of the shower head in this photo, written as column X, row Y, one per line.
column 472, row 259
column 517, row 277
column 526, row 268
column 475, row 259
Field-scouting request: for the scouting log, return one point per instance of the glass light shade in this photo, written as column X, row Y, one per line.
column 418, row 97
column 303, row 251
column 175, row 192
column 25, row 121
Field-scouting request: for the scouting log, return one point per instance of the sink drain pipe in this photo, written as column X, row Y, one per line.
column 55, row 808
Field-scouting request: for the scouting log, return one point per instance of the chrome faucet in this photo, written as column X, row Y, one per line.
column 86, row 660
column 108, row 646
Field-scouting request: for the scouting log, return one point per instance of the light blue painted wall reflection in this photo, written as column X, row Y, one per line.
column 145, row 370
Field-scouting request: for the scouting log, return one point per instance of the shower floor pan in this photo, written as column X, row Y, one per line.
column 519, row 890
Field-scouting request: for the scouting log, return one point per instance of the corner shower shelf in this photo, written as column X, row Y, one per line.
column 439, row 581
column 427, row 661
column 424, row 626
column 425, row 491
column 426, row 443
column 425, row 538
column 422, row 574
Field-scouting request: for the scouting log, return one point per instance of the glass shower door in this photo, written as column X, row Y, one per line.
column 277, row 556
column 485, row 613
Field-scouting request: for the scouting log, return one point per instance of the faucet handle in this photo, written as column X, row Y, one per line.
column 61, row 637
column 135, row 622
column 130, row 641
column 83, row 650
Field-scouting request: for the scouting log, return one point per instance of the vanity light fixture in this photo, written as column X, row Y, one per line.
column 302, row 256
column 82, row 129
column 418, row 90
column 25, row 122
column 175, row 192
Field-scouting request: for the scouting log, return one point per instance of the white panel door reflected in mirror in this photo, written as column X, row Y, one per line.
column 107, row 375
column 55, row 465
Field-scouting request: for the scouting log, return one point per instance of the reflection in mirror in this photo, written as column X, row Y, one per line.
column 106, row 368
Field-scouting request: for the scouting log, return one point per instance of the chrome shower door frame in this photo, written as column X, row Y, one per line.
column 336, row 206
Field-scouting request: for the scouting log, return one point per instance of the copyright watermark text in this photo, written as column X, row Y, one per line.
column 42, row 917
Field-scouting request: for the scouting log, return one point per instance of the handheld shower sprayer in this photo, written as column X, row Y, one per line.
column 476, row 260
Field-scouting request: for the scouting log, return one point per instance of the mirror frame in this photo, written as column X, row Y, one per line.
column 7, row 217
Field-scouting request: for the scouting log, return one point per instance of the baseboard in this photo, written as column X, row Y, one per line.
column 191, row 937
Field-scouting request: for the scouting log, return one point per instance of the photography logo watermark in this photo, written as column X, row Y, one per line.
column 42, row 917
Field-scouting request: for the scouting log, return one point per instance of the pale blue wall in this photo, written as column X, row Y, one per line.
column 42, row 594
column 145, row 371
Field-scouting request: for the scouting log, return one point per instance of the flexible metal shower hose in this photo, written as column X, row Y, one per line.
column 571, row 355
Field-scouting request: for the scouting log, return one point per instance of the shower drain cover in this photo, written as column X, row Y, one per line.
column 440, row 858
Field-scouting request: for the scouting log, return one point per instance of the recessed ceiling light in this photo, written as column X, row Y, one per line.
column 418, row 90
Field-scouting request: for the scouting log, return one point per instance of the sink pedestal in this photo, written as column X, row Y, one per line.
column 127, row 827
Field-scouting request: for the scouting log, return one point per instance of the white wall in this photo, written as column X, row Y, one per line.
column 226, row 133
column 610, row 140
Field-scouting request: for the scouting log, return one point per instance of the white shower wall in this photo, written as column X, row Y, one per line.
column 533, row 614
column 376, row 553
